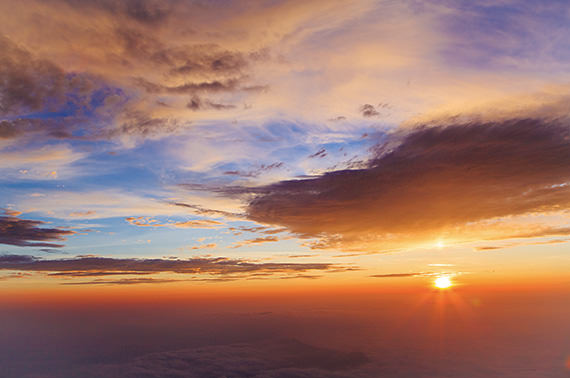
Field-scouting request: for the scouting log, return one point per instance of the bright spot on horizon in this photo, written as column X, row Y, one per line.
column 443, row 282
column 440, row 244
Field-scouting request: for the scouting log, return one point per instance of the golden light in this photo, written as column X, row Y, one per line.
column 442, row 282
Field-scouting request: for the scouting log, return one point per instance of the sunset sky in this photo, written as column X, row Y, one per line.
column 286, row 157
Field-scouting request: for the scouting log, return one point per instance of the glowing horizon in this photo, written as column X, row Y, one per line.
column 312, row 163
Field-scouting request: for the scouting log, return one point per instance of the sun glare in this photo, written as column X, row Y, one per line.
column 442, row 282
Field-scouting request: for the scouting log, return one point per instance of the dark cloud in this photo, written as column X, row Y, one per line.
column 30, row 84
column 93, row 108
column 337, row 119
column 198, row 104
column 427, row 181
column 28, row 233
column 196, row 61
column 256, row 171
column 141, row 124
column 219, row 267
column 27, row 83
column 319, row 154
column 41, row 99
column 95, row 274
column 197, row 209
column 123, row 281
column 149, row 12
column 368, row 110
column 214, row 86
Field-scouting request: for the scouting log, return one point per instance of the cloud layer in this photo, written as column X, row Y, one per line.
column 273, row 358
column 216, row 267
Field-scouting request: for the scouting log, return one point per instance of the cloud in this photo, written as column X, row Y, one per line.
column 198, row 104
column 14, row 276
column 12, row 213
column 28, row 84
column 397, row 275
column 368, row 110
column 105, row 96
column 267, row 358
column 424, row 183
column 257, row 171
column 82, row 214
column 123, row 281
column 211, row 267
column 150, row 222
column 259, row 240
column 484, row 248
column 319, row 154
column 47, row 162
column 143, row 11
column 205, row 246
column 27, row 233
column 99, row 204
column 200, row 210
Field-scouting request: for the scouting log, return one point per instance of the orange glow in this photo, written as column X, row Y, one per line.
column 443, row 282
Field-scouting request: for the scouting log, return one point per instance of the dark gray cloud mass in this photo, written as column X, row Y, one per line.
column 28, row 233
column 426, row 181
column 150, row 12
column 91, row 266
column 29, row 84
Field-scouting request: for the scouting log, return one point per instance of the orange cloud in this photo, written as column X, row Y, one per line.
column 150, row 222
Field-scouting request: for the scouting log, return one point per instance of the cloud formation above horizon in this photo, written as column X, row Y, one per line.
column 29, row 233
column 198, row 268
column 428, row 183
column 268, row 128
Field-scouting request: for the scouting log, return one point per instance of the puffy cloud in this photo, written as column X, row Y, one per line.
column 368, row 110
column 425, row 183
column 29, row 233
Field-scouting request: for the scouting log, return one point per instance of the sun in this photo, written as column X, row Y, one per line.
column 442, row 282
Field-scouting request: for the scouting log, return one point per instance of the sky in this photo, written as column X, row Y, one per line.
column 292, row 167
